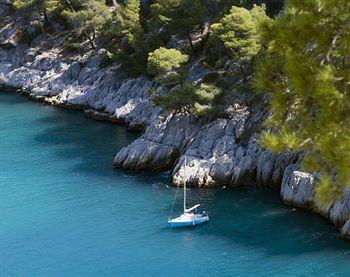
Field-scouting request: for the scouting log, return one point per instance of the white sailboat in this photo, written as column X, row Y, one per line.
column 188, row 218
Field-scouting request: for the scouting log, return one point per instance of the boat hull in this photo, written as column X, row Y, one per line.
column 188, row 220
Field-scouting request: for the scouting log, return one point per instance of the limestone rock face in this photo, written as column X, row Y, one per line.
column 160, row 145
column 80, row 83
column 216, row 157
column 297, row 188
column 213, row 157
column 339, row 212
column 345, row 230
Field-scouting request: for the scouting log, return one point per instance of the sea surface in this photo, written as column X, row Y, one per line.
column 66, row 212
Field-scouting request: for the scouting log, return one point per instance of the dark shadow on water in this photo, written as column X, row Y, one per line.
column 256, row 218
column 75, row 136
column 93, row 145
column 12, row 98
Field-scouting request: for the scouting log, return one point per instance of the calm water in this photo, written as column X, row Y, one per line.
column 66, row 212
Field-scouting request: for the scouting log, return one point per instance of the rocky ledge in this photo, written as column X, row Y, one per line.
column 223, row 152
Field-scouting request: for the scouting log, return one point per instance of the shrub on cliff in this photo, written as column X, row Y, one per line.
column 48, row 10
column 27, row 34
column 163, row 59
column 306, row 70
column 186, row 97
column 206, row 95
column 35, row 8
column 181, row 98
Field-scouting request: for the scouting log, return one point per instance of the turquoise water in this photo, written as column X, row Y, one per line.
column 66, row 212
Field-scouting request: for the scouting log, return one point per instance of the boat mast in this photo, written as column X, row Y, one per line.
column 185, row 197
column 185, row 191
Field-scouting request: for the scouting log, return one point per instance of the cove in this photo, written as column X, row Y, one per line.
column 66, row 212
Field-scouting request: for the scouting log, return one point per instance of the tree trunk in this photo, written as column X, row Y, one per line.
column 46, row 18
column 42, row 27
column 190, row 40
column 115, row 4
column 92, row 41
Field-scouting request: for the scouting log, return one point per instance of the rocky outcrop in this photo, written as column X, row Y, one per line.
column 79, row 82
column 160, row 145
column 217, row 157
column 216, row 144
column 345, row 230
column 339, row 212
column 297, row 187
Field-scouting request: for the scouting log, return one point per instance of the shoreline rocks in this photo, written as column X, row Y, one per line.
column 298, row 189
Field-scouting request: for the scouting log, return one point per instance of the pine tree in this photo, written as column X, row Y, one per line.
column 306, row 70
column 179, row 16
column 90, row 19
column 130, row 49
column 57, row 7
column 127, row 22
column 237, row 33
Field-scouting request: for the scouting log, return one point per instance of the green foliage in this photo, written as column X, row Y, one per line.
column 27, row 4
column 205, row 96
column 56, row 8
column 132, row 64
column 127, row 22
column 178, row 16
column 206, row 93
column 198, row 100
column 32, row 7
column 202, row 110
column 73, row 47
column 169, row 78
column 237, row 33
column 131, row 51
column 179, row 99
column 306, row 70
column 218, row 8
column 326, row 192
column 90, row 19
column 41, row 6
column 163, row 59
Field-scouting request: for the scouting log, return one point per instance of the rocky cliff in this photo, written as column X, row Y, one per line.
column 222, row 152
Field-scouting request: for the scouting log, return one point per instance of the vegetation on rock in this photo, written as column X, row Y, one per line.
column 187, row 97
